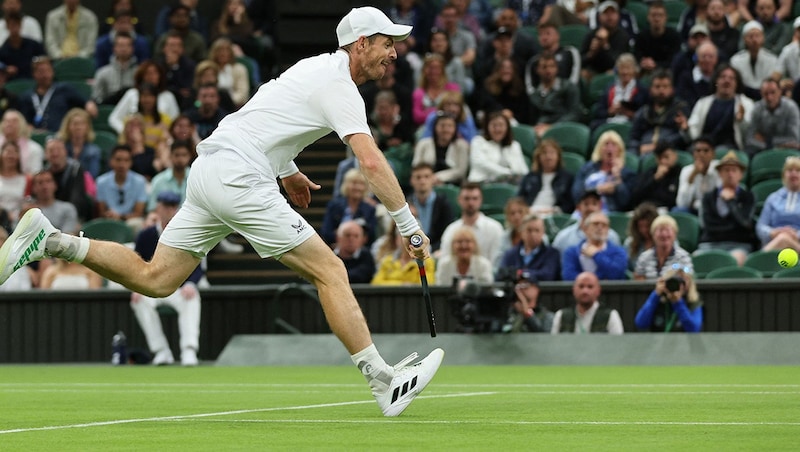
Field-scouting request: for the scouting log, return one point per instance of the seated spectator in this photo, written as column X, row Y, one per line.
column 455, row 68
column 416, row 15
column 48, row 102
column 624, row 96
column 18, row 51
column 606, row 173
column 74, row 184
column 13, row 183
column 112, row 80
column 196, row 21
column 547, row 188
column 571, row 235
column 433, row 84
column 178, row 68
column 172, row 179
column 778, row 224
column 488, row 231
column 503, row 90
column 445, row 151
column 673, row 306
column 351, row 249
column 722, row 34
column 14, row 128
column 531, row 255
column 107, row 24
column 597, row 52
column 528, row 314
column 659, row 119
column 21, row 280
column 777, row 33
column 698, row 178
column 514, row 211
column 595, row 254
column 70, row 31
column 145, row 160
column 433, row 211
column 389, row 127
column 453, row 104
column 207, row 73
column 502, row 48
column 495, row 156
column 156, row 123
column 523, row 46
column 685, row 60
column 391, row 81
column 351, row 205
column 183, row 129
column 754, row 63
column 63, row 275
column 588, row 315
column 464, row 261
column 612, row 14
column 185, row 300
column 727, row 212
column 8, row 100
column 235, row 23
column 400, row 269
column 193, row 42
column 789, row 58
column 775, row 122
column 208, row 113
column 553, row 99
column 730, row 109
column 639, row 239
column 696, row 80
column 31, row 28
column 567, row 58
column 694, row 15
column 233, row 75
column 659, row 184
column 122, row 193
column 463, row 39
column 657, row 44
column 62, row 214
column 77, row 134
column 151, row 73
column 665, row 253
column 122, row 25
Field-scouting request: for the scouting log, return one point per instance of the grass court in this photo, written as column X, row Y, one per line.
column 99, row 407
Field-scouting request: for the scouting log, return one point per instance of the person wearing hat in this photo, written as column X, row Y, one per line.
column 612, row 14
column 696, row 83
column 789, row 59
column 528, row 315
column 722, row 34
column 755, row 63
column 185, row 300
column 604, row 43
column 775, row 122
column 694, row 14
column 234, row 187
column 728, row 211
column 684, row 61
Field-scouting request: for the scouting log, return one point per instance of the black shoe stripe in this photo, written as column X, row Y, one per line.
column 404, row 389
column 395, row 394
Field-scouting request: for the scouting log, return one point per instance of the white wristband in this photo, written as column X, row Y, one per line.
column 406, row 223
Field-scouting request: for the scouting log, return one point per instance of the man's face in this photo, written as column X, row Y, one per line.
column 765, row 10
column 667, row 158
column 121, row 162
column 44, row 187
column 422, row 180
column 754, row 40
column 706, row 59
column 657, row 18
column 502, row 45
column 730, row 175
column 11, row 6
column 716, row 11
column 664, row 236
column 532, row 233
column 56, row 154
column 180, row 19
column 596, row 227
column 123, row 48
column 43, row 73
column 586, row 289
column 378, row 55
column 449, row 18
column 351, row 239
column 547, row 70
column 589, row 205
column 703, row 153
column 180, row 158
column 173, row 46
column 771, row 95
column 208, row 98
column 609, row 18
column 470, row 201
column 507, row 18
column 726, row 84
column 548, row 37
column 123, row 23
column 661, row 90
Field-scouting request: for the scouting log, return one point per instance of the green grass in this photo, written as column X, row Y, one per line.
column 465, row 408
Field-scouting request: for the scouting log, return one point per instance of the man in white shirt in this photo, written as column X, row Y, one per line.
column 233, row 187
column 698, row 178
column 588, row 315
column 488, row 231
column 754, row 62
column 31, row 28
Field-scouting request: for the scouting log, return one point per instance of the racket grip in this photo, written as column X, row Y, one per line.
column 416, row 240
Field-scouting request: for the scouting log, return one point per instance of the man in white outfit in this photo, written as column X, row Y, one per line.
column 185, row 301
column 234, row 187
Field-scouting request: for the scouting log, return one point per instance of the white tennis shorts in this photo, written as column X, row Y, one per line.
column 226, row 193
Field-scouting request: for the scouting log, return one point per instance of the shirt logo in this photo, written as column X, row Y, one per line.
column 299, row 227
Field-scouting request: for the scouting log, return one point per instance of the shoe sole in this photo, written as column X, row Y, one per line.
column 22, row 227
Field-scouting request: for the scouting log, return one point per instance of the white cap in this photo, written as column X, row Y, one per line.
column 608, row 4
column 367, row 21
column 752, row 25
column 796, row 23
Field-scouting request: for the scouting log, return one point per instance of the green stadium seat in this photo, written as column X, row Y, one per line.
column 674, row 10
column 496, row 195
column 619, row 223
column 572, row 35
column 571, row 136
column 74, row 69
column 688, row 230
column 83, row 88
column 632, row 162
column 557, row 222
column 768, row 164
column 450, row 192
column 111, row 230
column 623, row 129
column 597, row 86
column 20, row 85
column 793, row 272
column 734, row 272
column 41, row 137
column 639, row 11
column 101, row 121
column 572, row 162
column 526, row 138
column 763, row 189
column 705, row 261
column 764, row 261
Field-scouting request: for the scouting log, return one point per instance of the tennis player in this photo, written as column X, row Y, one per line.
column 233, row 187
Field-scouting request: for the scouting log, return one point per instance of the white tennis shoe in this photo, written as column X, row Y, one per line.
column 408, row 382
column 26, row 243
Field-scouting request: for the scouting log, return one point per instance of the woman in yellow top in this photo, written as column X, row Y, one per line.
column 156, row 123
column 399, row 269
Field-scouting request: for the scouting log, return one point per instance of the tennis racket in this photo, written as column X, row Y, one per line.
column 416, row 242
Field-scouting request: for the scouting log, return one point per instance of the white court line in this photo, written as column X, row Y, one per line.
column 484, row 422
column 221, row 413
column 360, row 390
column 444, row 385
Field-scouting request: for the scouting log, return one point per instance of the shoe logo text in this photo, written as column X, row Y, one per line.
column 400, row 391
column 34, row 246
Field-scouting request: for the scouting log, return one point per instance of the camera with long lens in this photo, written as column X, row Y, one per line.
column 674, row 283
column 483, row 308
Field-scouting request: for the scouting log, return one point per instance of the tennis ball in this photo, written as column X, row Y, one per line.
column 787, row 258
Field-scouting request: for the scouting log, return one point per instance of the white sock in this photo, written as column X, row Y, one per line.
column 378, row 374
column 67, row 247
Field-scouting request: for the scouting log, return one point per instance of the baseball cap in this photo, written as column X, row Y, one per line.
column 608, row 4
column 699, row 28
column 503, row 31
column 796, row 23
column 169, row 198
column 590, row 194
column 367, row 21
column 752, row 25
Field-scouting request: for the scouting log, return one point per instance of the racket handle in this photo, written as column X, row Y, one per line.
column 416, row 240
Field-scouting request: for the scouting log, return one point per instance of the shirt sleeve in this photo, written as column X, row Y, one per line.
column 343, row 108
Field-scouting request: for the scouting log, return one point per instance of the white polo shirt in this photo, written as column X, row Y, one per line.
column 308, row 101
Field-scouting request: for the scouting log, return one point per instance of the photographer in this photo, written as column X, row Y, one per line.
column 674, row 305
column 527, row 315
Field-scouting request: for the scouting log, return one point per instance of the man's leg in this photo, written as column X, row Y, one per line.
column 186, row 302
column 149, row 321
